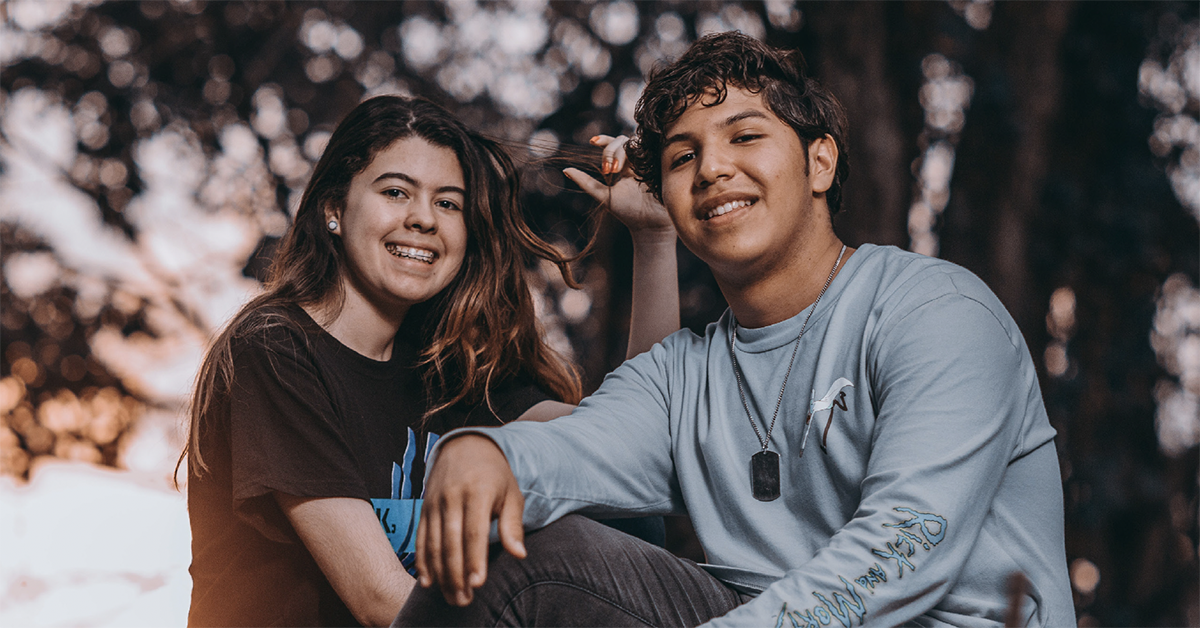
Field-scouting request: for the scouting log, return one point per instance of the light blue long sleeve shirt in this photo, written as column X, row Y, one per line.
column 925, row 476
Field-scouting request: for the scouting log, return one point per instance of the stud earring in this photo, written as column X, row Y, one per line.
column 333, row 225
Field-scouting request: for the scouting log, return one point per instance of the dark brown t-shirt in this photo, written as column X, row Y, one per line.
column 306, row 416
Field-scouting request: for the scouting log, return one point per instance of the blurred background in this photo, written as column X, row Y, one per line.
column 151, row 153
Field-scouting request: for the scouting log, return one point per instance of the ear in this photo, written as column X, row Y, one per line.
column 822, row 163
column 333, row 213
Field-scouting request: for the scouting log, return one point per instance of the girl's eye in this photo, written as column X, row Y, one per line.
column 449, row 205
column 395, row 193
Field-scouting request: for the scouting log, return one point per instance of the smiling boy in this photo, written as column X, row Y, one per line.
column 859, row 440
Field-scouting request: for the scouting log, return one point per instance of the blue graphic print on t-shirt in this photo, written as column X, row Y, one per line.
column 400, row 514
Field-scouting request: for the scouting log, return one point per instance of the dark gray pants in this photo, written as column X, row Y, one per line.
column 581, row 573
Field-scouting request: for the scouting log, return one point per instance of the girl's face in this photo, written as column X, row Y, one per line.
column 402, row 226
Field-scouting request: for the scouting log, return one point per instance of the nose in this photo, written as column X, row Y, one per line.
column 714, row 165
column 421, row 216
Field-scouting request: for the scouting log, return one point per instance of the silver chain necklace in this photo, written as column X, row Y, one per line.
column 764, row 465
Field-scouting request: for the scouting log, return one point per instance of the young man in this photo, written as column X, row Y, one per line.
column 860, row 439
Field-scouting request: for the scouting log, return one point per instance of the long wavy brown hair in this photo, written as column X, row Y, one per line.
column 477, row 332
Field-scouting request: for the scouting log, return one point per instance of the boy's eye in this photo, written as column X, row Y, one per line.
column 681, row 160
column 394, row 193
column 746, row 137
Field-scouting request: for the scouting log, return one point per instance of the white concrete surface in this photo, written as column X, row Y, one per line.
column 82, row 545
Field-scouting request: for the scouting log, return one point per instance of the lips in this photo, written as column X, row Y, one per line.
column 412, row 252
column 719, row 207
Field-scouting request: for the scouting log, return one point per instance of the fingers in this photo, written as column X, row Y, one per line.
column 467, row 486
column 510, row 525
column 594, row 188
column 475, row 545
column 452, row 581
column 441, row 536
column 613, row 159
column 426, row 529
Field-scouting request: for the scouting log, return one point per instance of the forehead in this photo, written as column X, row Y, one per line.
column 701, row 114
column 416, row 157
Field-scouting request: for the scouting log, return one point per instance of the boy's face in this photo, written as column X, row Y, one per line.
column 736, row 183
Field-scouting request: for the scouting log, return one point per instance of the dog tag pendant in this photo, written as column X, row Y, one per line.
column 764, row 475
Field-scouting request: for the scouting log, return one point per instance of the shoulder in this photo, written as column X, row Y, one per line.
column 511, row 397
column 686, row 341
column 685, row 345
column 911, row 289
column 272, row 330
column 902, row 276
column 678, row 354
column 503, row 402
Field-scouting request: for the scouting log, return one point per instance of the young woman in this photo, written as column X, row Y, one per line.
column 396, row 310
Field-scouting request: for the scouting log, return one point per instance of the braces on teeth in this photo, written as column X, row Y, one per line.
column 411, row 253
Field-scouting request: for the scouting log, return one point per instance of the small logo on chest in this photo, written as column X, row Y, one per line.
column 835, row 398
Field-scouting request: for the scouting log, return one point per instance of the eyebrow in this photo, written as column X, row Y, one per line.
column 749, row 113
column 730, row 121
column 412, row 181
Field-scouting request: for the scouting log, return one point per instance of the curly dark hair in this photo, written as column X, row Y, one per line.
column 709, row 67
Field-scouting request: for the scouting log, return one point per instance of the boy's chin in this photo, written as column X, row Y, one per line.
column 737, row 264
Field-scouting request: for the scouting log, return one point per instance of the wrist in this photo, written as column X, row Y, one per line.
column 653, row 236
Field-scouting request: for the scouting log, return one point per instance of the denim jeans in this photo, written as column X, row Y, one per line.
column 581, row 573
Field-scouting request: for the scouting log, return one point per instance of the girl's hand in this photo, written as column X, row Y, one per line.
column 626, row 198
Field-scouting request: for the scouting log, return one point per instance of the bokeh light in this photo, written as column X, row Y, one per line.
column 151, row 154
column 1176, row 341
column 1085, row 576
column 1175, row 91
column 615, row 22
column 977, row 13
column 945, row 96
column 1060, row 324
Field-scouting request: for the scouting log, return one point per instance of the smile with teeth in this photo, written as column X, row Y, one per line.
column 412, row 252
column 727, row 207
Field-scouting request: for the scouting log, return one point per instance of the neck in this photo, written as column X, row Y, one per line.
column 360, row 324
column 784, row 290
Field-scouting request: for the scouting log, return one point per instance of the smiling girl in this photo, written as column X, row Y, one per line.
column 396, row 310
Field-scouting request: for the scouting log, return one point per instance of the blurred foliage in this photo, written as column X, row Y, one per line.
column 1048, row 172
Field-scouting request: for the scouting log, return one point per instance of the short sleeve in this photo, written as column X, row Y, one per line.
column 510, row 402
column 505, row 404
column 285, row 434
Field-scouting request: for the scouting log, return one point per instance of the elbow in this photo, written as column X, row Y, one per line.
column 380, row 621
column 378, row 605
column 376, row 613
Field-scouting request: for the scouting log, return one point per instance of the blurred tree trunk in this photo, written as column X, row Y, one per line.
column 851, row 59
column 605, row 331
column 988, row 221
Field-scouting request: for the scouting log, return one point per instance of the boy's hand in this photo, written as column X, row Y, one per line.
column 470, row 484
column 626, row 198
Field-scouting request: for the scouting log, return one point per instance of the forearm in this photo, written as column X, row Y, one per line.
column 884, row 570
column 613, row 454
column 349, row 546
column 916, row 528
column 654, row 313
